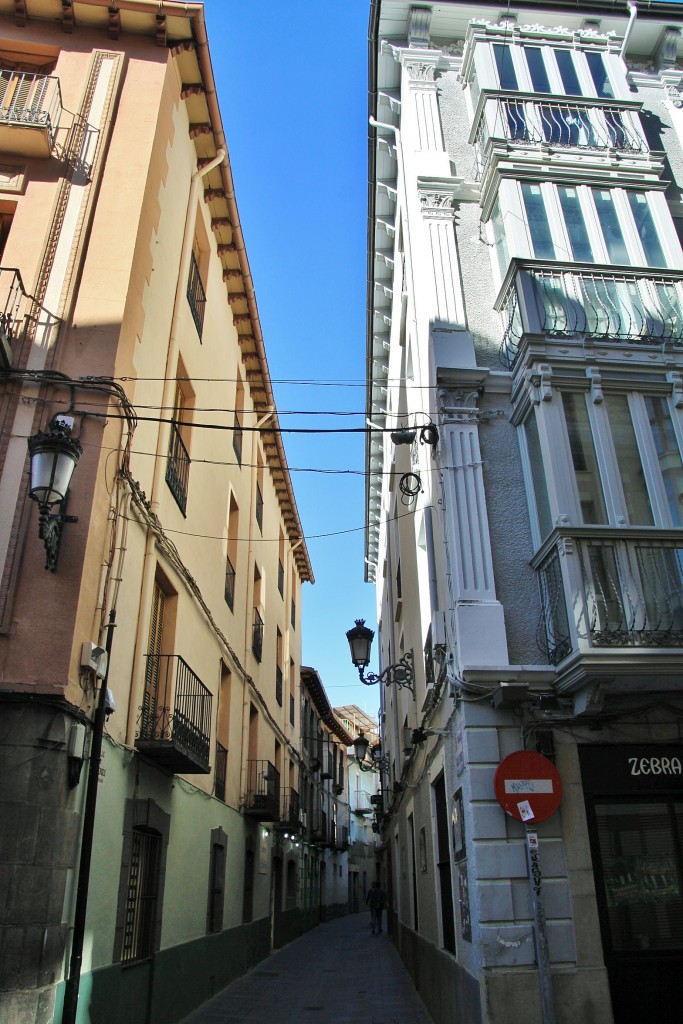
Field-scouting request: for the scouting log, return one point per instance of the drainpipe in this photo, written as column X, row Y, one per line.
column 167, row 399
column 629, row 28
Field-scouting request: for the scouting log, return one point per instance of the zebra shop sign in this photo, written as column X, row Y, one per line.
column 528, row 787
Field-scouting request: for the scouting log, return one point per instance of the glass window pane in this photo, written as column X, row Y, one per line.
column 538, row 476
column 645, row 225
column 584, row 459
column 506, row 70
column 641, row 876
column 628, row 460
column 596, row 66
column 611, row 229
column 499, row 240
column 537, row 71
column 541, row 238
column 668, row 454
column 576, row 225
column 570, row 79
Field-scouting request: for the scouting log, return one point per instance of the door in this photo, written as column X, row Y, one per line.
column 152, row 701
column 638, row 860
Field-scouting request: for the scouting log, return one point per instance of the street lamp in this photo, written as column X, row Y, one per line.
column 360, row 641
column 54, row 455
column 376, row 762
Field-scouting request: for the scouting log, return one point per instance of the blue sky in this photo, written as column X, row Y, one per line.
column 292, row 88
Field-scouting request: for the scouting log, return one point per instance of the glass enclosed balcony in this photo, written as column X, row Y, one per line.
column 30, row 111
column 557, row 300
column 610, row 591
column 519, row 119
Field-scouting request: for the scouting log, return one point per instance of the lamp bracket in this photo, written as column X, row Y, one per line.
column 402, row 674
column 50, row 532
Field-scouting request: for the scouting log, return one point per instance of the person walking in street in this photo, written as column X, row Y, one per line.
column 375, row 900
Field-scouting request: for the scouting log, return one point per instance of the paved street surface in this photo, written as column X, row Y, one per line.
column 338, row 973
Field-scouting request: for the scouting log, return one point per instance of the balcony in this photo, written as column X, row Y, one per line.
column 630, row 305
column 319, row 828
column 196, row 296
column 262, row 797
column 30, row 112
column 341, row 837
column 259, row 508
column 220, row 771
column 175, row 717
column 229, row 583
column 178, row 468
column 508, row 120
column 290, row 811
column 278, row 685
column 615, row 592
column 13, row 309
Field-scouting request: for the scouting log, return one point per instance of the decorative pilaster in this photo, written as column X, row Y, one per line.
column 480, row 627
column 438, row 213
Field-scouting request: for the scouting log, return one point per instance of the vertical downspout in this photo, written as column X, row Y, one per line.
column 629, row 28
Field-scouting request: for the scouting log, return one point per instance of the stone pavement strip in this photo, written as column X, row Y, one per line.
column 337, row 973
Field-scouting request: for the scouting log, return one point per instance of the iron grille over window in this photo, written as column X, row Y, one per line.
column 257, row 635
column 141, row 897
column 229, row 583
column 178, row 468
column 196, row 295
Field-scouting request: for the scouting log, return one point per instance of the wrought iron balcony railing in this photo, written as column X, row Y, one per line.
column 524, row 119
column 13, row 309
column 259, row 507
column 290, row 812
column 30, row 112
column 178, row 468
column 633, row 305
column 196, row 296
column 341, row 837
column 262, row 791
column 220, row 771
column 230, row 575
column 257, row 635
column 611, row 591
column 278, row 685
column 175, row 717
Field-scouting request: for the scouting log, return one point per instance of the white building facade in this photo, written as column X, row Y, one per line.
column 525, row 299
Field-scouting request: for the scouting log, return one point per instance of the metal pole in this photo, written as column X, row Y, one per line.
column 73, row 981
column 542, row 953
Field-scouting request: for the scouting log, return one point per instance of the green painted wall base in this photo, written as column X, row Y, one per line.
column 450, row 994
column 168, row 987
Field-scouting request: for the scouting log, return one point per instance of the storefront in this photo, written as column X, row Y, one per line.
column 634, row 803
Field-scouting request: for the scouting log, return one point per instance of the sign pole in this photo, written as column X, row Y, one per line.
column 542, row 954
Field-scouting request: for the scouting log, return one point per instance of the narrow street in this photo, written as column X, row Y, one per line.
column 336, row 972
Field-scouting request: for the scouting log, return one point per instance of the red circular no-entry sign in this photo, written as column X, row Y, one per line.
column 528, row 786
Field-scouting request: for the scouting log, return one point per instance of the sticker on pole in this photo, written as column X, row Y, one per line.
column 528, row 786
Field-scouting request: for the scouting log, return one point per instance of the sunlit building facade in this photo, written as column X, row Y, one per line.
column 129, row 327
column 525, row 298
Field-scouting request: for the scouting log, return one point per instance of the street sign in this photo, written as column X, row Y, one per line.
column 528, row 786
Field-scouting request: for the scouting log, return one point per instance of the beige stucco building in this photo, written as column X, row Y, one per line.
column 128, row 307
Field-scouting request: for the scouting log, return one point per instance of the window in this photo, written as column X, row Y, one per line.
column 156, row 698
column 537, row 70
column 143, row 890
column 537, row 219
column 217, row 860
column 292, row 690
column 231, row 557
column 223, row 733
column 281, row 565
column 596, row 66
column 629, row 461
column 292, row 615
column 178, row 462
column 576, row 225
column 609, row 223
column 146, row 830
column 584, row 460
column 196, row 294
column 668, row 454
column 257, row 619
column 645, row 226
column 278, row 667
column 237, row 432
column 506, row 71
column 567, row 69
